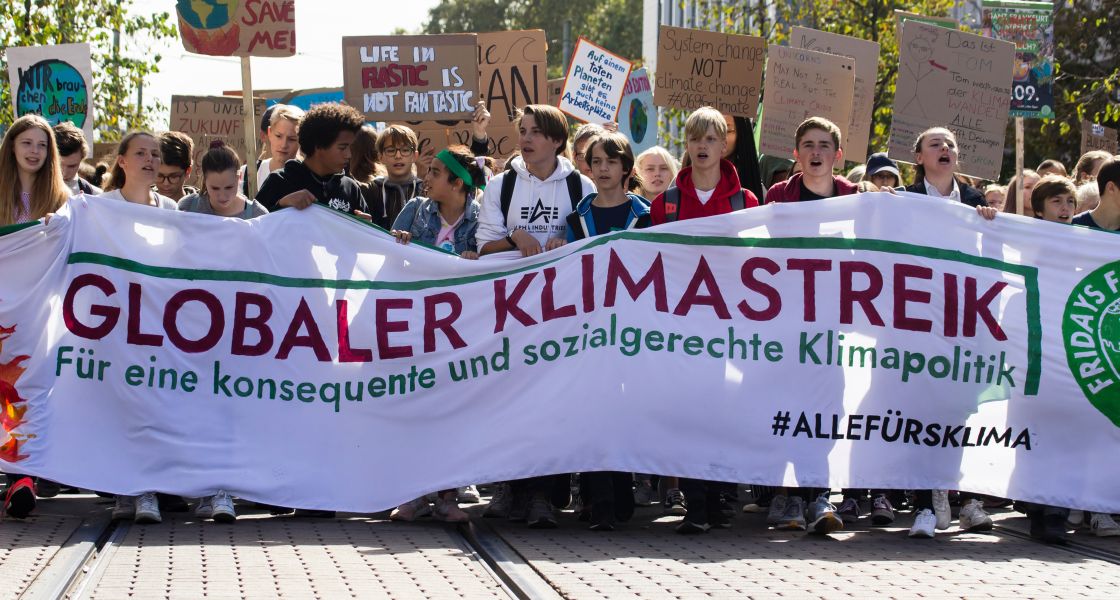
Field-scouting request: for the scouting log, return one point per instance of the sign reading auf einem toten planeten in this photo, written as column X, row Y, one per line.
column 595, row 83
column 867, row 341
column 54, row 82
column 238, row 27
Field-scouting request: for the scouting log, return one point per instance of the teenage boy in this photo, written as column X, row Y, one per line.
column 325, row 135
column 708, row 186
column 525, row 208
column 176, row 151
column 816, row 150
column 72, row 149
column 397, row 147
column 280, row 125
column 1106, row 215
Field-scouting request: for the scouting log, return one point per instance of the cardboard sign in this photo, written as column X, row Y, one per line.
column 54, row 82
column 555, row 88
column 702, row 68
column 247, row 28
column 866, row 57
column 513, row 72
column 802, row 84
column 209, row 118
column 902, row 16
column 637, row 119
column 1098, row 137
column 1030, row 26
column 948, row 78
column 595, row 83
column 411, row 77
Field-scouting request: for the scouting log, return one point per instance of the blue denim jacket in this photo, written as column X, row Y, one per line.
column 420, row 217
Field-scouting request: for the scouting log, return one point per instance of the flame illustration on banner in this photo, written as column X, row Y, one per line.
column 12, row 406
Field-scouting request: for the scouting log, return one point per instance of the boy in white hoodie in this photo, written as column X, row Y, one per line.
column 526, row 207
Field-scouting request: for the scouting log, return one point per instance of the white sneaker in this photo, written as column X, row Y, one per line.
column 777, row 509
column 941, row 508
column 973, row 517
column 125, row 508
column 147, row 509
column 223, row 511
column 1075, row 519
column 1102, row 525
column 205, row 508
column 924, row 524
column 468, row 495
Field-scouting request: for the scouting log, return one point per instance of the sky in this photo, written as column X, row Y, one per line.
column 320, row 26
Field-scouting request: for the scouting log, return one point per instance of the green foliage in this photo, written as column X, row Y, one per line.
column 116, row 77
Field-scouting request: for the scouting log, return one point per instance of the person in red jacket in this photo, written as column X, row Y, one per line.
column 817, row 149
column 709, row 185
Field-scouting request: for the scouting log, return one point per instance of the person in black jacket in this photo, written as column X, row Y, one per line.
column 935, row 154
column 325, row 135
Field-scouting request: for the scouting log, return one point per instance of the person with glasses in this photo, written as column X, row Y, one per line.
column 176, row 150
column 397, row 146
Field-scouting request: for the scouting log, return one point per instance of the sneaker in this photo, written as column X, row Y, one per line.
column 540, row 513
column 205, row 508
column 794, row 517
column 882, row 513
column 1102, row 525
column 941, row 508
column 447, row 509
column 825, row 520
column 973, row 517
column 312, row 513
column 125, row 508
column 602, row 517
column 719, row 519
column 924, row 524
column 674, row 503
column 45, row 488
column 727, row 506
column 644, row 494
column 500, row 502
column 849, row 510
column 412, row 510
column 147, row 509
column 19, row 500
column 468, row 495
column 1075, row 519
column 690, row 527
column 1049, row 528
column 777, row 509
column 222, row 509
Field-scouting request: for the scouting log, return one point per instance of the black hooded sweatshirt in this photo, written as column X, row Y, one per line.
column 337, row 192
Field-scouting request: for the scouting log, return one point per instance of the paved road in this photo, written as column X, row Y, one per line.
column 356, row 556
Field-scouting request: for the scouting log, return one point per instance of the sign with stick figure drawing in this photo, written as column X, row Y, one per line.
column 948, row 78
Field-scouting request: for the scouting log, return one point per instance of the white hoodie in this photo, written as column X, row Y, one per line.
column 539, row 207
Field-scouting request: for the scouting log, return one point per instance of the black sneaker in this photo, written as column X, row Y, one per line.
column 45, row 488
column 1049, row 528
column 19, row 500
column 690, row 527
column 601, row 518
column 314, row 514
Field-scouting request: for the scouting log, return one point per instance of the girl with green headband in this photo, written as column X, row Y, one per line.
column 448, row 217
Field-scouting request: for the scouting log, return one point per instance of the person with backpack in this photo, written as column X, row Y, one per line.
column 525, row 208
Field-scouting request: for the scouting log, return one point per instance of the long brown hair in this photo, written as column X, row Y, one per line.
column 364, row 155
column 116, row 173
column 919, row 170
column 48, row 190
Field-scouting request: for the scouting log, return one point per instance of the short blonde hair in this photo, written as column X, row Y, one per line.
column 669, row 159
column 285, row 111
column 701, row 119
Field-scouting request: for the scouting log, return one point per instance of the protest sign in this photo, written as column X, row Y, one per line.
column 1098, row 137
column 957, row 80
column 209, row 118
column 902, row 16
column 411, row 77
column 595, row 83
column 513, row 71
column 54, row 82
column 802, row 84
column 947, row 348
column 703, row 68
column 248, row 28
column 866, row 68
column 1030, row 26
column 555, row 87
column 637, row 119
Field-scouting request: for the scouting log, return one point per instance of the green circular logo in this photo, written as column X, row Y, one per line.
column 1091, row 331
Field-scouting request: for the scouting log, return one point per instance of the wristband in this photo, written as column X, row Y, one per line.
column 509, row 239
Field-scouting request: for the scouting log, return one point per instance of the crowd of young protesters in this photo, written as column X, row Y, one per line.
column 590, row 183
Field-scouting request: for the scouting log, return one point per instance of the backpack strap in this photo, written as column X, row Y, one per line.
column 575, row 188
column 672, row 200
column 738, row 201
column 508, row 182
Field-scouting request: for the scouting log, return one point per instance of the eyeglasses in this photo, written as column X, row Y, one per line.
column 404, row 152
column 170, row 177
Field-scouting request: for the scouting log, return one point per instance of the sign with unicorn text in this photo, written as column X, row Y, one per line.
column 595, row 83
column 238, row 27
column 55, row 82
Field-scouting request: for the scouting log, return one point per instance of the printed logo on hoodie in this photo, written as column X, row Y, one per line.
column 539, row 211
column 339, row 204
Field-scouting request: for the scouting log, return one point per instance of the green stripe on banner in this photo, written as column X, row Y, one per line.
column 1029, row 273
column 6, row 229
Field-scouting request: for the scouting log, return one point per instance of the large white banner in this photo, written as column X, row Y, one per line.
column 304, row 359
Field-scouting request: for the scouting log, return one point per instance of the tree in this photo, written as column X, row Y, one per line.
column 116, row 77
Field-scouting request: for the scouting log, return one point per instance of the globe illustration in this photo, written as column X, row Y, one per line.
column 207, row 14
column 639, row 121
column 54, row 90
